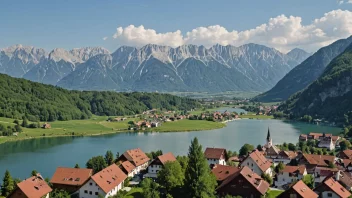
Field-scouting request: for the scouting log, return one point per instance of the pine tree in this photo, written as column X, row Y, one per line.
column 7, row 184
column 109, row 158
column 199, row 182
column 24, row 122
column 76, row 166
column 34, row 173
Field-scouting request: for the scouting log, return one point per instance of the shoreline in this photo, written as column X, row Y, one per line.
column 108, row 133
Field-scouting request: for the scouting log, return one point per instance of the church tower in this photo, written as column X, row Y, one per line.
column 269, row 141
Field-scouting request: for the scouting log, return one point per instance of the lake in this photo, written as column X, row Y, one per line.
column 45, row 154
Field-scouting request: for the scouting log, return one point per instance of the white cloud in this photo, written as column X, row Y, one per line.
column 105, row 38
column 282, row 32
column 340, row 2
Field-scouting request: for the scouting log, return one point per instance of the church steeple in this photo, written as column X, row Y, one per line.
column 268, row 138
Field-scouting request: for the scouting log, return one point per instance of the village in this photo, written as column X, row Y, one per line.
column 291, row 173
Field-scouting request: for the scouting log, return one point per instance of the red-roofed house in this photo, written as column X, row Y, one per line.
column 257, row 162
column 128, row 168
column 346, row 154
column 331, row 188
column 33, row 187
column 159, row 163
column 290, row 174
column 244, row 183
column 70, row 179
column 137, row 157
column 320, row 173
column 221, row 172
column 311, row 161
column 105, row 183
column 299, row 190
column 215, row 155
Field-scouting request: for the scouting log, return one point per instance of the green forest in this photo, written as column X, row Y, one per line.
column 22, row 98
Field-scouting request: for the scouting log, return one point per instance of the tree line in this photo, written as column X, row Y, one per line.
column 36, row 101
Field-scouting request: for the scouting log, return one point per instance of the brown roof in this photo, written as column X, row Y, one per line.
column 71, row 176
column 214, row 153
column 35, row 187
column 348, row 153
column 109, row 177
column 345, row 178
column 168, row 157
column 136, row 156
column 302, row 189
column 128, row 166
column 288, row 154
column 337, row 188
column 320, row 160
column 294, row 169
column 257, row 182
column 221, row 172
column 260, row 160
column 346, row 162
column 325, row 171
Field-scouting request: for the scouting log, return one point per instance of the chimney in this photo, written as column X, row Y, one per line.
column 337, row 176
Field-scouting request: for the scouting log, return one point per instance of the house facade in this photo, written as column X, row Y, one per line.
column 290, row 174
column 331, row 188
column 33, row 187
column 157, row 164
column 137, row 157
column 257, row 162
column 311, row 161
column 216, row 156
column 320, row 173
column 70, row 179
column 105, row 183
column 128, row 168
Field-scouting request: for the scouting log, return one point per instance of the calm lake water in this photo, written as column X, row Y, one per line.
column 45, row 154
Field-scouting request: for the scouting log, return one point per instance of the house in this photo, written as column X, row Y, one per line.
column 317, row 136
column 137, row 157
column 244, row 183
column 347, row 164
column 326, row 142
column 70, row 179
column 155, row 124
column 128, row 168
column 345, row 179
column 257, row 162
column 303, row 138
column 346, row 154
column 320, row 173
column 33, row 187
column 299, row 190
column 290, row 174
column 222, row 172
column 216, row 155
column 105, row 183
column 311, row 161
column 46, row 126
column 157, row 164
column 331, row 188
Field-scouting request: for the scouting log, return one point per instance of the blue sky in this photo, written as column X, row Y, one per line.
column 77, row 23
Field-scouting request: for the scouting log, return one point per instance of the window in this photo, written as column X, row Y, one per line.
column 247, row 163
column 293, row 196
column 86, row 191
column 90, row 192
column 96, row 193
column 329, row 194
column 252, row 164
column 90, row 183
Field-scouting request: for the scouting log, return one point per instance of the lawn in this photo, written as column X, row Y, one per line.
column 135, row 193
column 98, row 125
column 274, row 193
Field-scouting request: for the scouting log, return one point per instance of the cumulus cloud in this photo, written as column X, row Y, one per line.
column 105, row 38
column 340, row 2
column 282, row 32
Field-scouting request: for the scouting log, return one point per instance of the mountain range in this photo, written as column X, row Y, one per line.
column 329, row 96
column 305, row 73
column 249, row 67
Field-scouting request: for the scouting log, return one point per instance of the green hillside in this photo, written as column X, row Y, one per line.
column 19, row 97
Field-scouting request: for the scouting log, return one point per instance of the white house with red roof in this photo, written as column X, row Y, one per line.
column 137, row 157
column 258, row 163
column 33, row 187
column 158, row 163
column 105, row 183
column 290, row 174
column 215, row 156
column 331, row 188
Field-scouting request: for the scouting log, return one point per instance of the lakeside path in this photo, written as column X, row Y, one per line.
column 98, row 125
